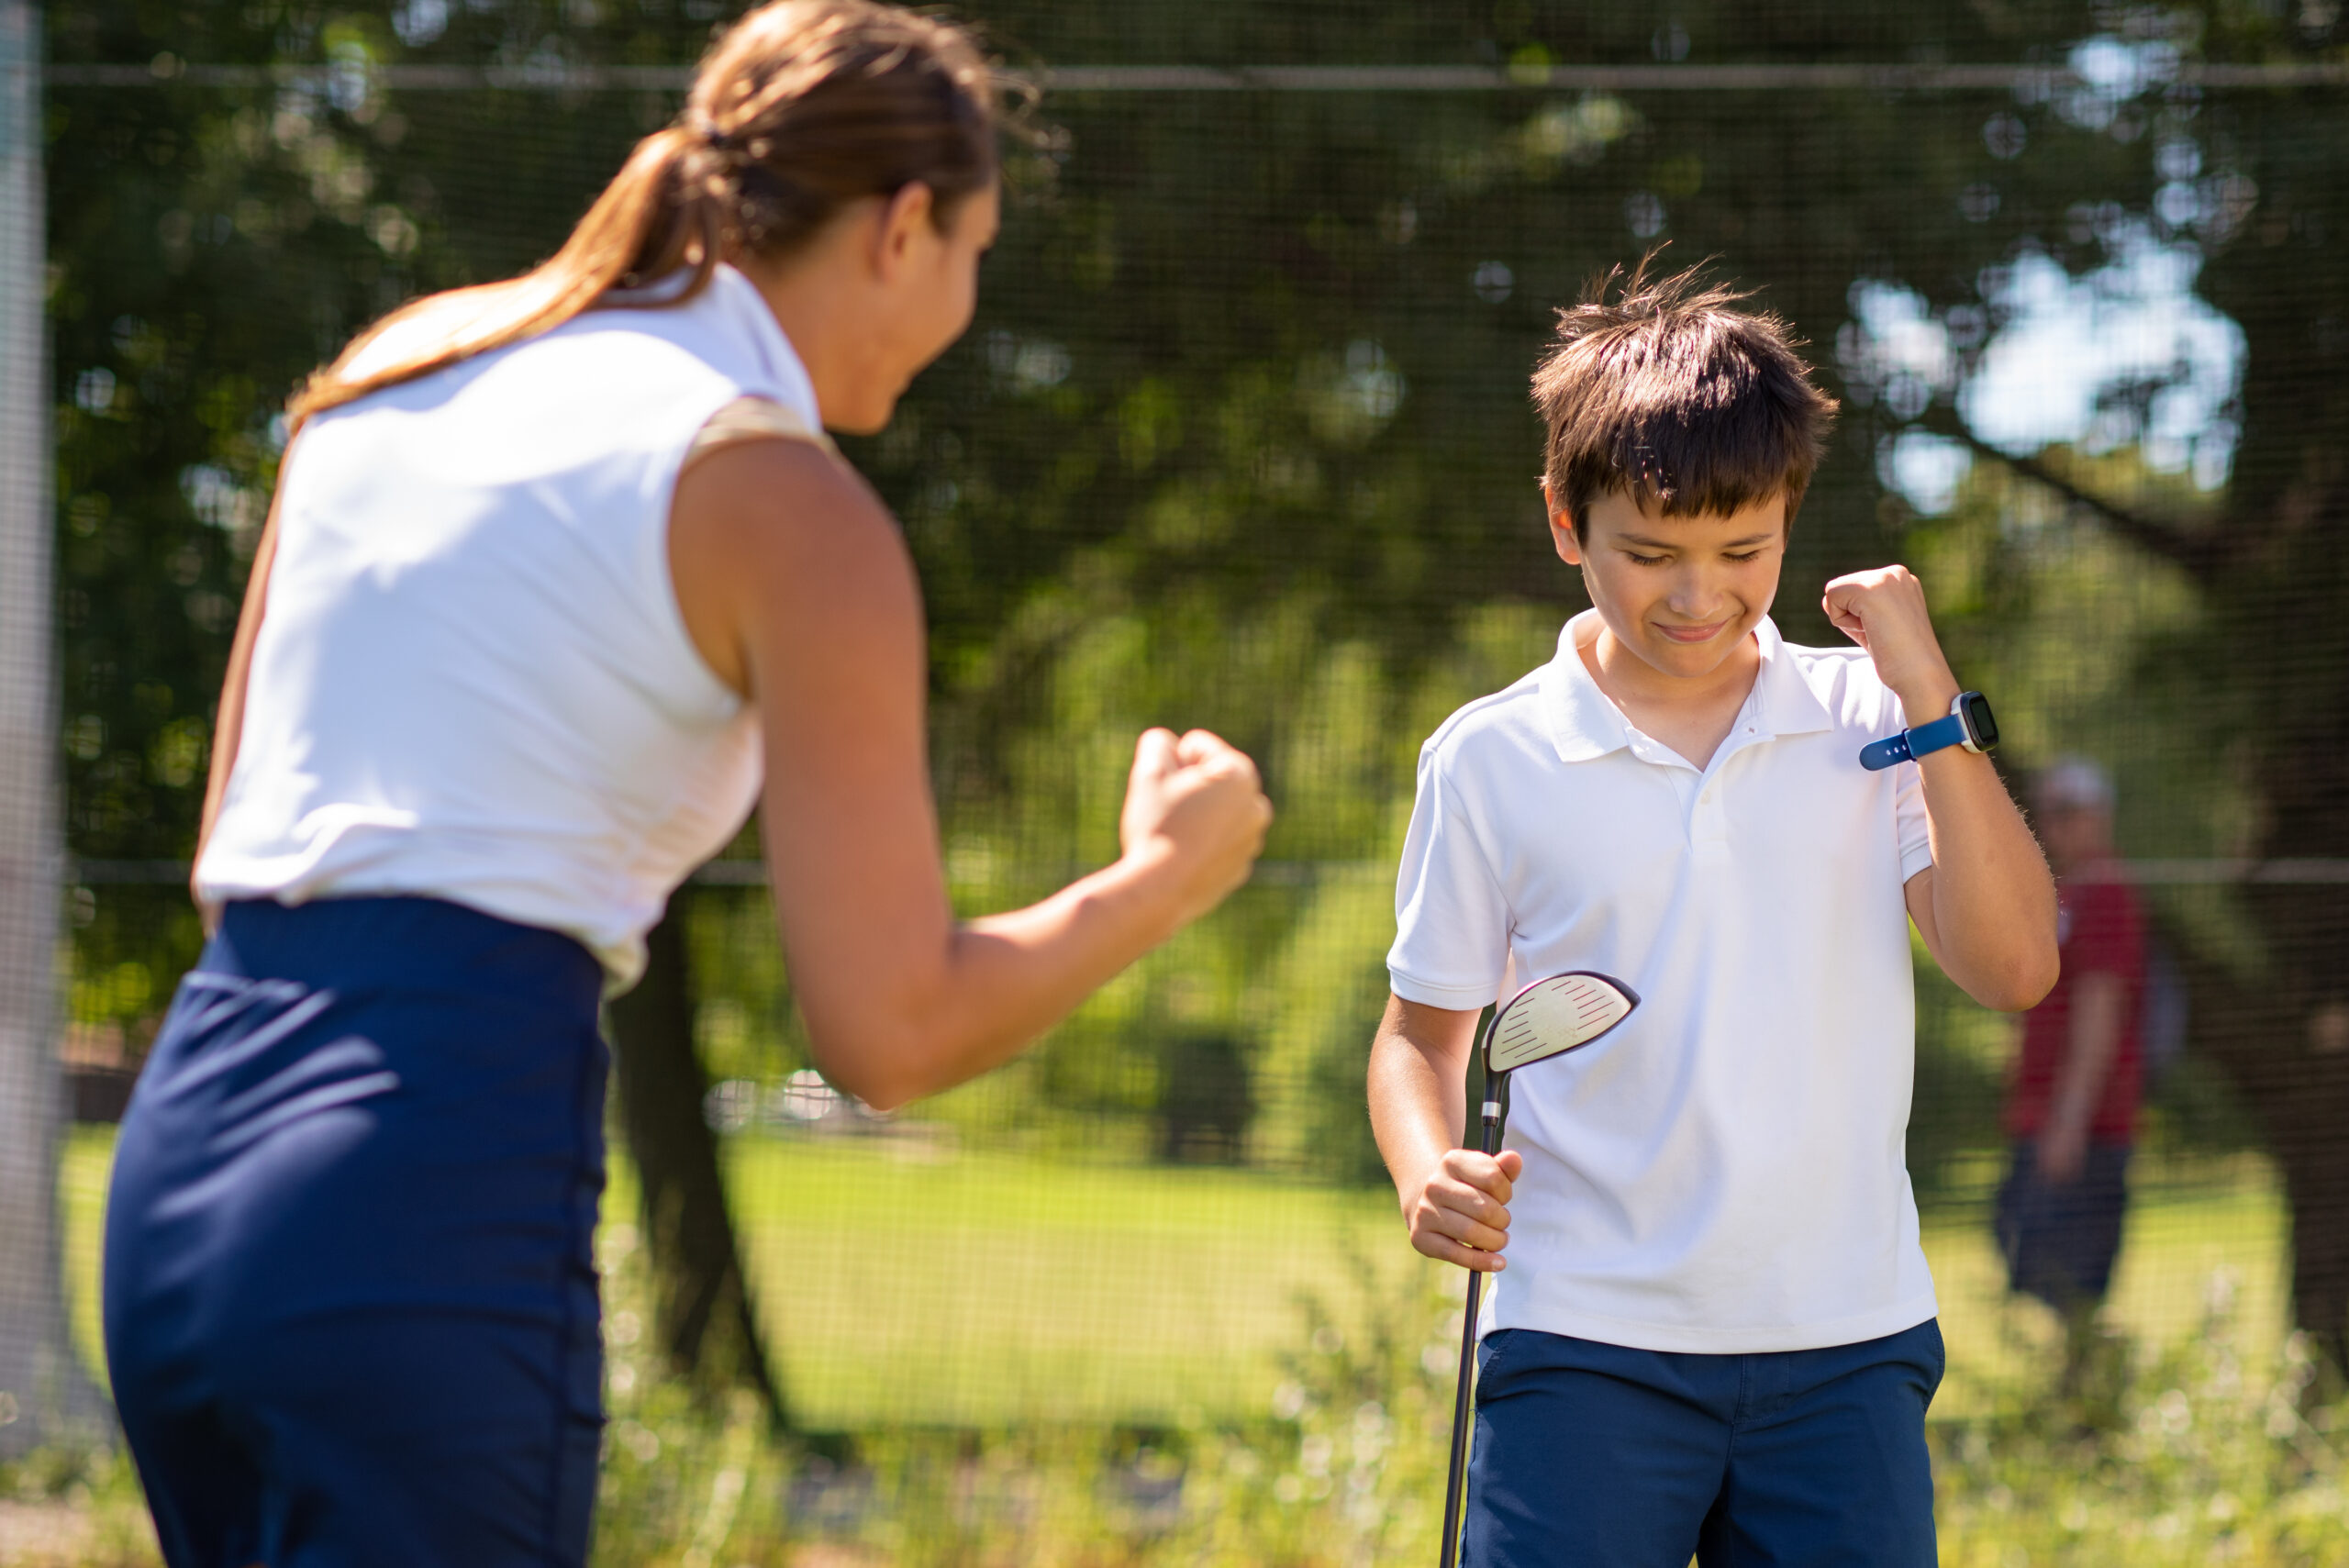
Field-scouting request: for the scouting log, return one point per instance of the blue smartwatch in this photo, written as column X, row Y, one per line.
column 1969, row 725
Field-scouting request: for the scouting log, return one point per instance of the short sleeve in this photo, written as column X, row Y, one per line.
column 1452, row 923
column 1909, row 821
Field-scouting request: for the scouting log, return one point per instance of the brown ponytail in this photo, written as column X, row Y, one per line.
column 802, row 108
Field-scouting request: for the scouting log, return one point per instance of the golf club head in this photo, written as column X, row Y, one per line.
column 1555, row 1016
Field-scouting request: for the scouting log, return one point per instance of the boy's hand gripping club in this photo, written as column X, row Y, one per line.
column 1547, row 1018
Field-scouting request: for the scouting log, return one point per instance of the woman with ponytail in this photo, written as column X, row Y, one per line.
column 562, row 577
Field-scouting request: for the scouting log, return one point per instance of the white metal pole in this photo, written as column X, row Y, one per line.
column 42, row 1390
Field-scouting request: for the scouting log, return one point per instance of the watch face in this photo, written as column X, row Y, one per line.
column 1979, row 722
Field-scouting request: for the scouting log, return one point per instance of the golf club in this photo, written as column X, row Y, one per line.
column 1547, row 1018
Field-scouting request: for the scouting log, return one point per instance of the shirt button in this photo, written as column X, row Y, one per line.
column 1706, row 798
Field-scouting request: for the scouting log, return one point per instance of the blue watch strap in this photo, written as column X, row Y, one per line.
column 1912, row 743
column 1878, row 755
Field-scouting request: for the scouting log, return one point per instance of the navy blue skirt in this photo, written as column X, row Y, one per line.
column 351, row 1306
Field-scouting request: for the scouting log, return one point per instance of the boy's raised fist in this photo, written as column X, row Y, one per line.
column 1884, row 611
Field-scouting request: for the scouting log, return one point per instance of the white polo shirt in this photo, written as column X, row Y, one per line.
column 1724, row 1173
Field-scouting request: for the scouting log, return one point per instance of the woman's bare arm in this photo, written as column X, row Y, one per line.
column 798, row 590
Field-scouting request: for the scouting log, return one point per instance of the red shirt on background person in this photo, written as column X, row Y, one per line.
column 2071, row 1110
column 2101, row 934
column 2078, row 1075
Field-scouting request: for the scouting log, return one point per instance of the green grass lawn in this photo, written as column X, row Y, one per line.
column 2230, row 1227
column 990, row 1290
column 987, row 1290
column 81, row 1196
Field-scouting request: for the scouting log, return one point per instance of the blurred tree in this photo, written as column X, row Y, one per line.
column 1204, row 1100
column 1243, row 422
column 2252, row 189
column 2271, row 667
column 702, row 1306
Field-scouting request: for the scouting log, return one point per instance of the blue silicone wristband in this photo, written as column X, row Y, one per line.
column 1913, row 743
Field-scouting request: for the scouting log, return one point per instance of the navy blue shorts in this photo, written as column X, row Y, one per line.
column 1591, row 1455
column 2059, row 1239
column 351, row 1308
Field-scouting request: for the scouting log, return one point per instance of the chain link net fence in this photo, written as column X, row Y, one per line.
column 1240, row 440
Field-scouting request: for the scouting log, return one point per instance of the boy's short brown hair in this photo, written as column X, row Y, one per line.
column 1668, row 391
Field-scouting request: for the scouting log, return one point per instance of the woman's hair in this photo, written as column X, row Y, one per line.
column 800, row 108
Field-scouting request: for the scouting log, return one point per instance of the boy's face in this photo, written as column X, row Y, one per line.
column 1680, row 593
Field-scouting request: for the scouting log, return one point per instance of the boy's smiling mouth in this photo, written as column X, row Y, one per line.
column 1692, row 633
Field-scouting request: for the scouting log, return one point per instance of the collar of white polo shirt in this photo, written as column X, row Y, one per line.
column 1585, row 723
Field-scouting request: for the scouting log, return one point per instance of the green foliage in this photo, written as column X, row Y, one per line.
column 2208, row 1448
column 2083, row 637
column 2204, row 1458
column 2092, row 649
column 1237, row 439
column 2213, row 1458
column 2210, row 1458
column 74, row 1505
column 1338, row 1472
column 1240, row 440
column 683, row 1474
column 2201, row 1456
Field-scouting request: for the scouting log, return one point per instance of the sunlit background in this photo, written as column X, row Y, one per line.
column 1240, row 440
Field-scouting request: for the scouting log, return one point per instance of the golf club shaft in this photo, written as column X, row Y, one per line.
column 1456, row 1476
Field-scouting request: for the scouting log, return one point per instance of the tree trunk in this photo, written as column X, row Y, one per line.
column 2316, row 1179
column 43, row 1393
column 702, row 1306
column 2284, row 1036
column 2300, row 1082
column 2262, row 1040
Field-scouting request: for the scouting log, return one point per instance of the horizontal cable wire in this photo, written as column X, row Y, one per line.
column 2035, row 82
column 2215, row 870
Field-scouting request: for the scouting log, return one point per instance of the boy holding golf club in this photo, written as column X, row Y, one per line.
column 1712, row 1327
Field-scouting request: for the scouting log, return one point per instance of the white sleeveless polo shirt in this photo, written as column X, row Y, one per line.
column 473, row 681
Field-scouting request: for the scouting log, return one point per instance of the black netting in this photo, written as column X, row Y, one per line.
column 1240, row 440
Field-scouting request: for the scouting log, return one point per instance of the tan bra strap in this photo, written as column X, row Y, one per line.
column 754, row 420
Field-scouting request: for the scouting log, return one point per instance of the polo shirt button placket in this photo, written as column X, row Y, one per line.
column 1710, row 828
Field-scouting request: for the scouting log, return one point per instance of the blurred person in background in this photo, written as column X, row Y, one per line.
column 2071, row 1105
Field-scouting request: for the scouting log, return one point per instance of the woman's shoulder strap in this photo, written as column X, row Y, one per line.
column 754, row 420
